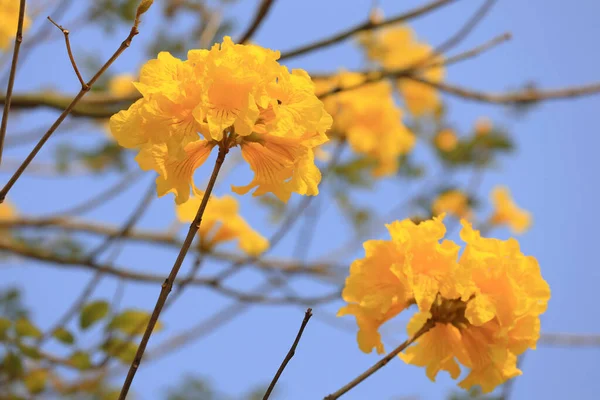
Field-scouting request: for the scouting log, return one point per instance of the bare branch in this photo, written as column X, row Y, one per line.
column 368, row 25
column 289, row 355
column 11, row 79
column 380, row 364
column 259, row 17
column 84, row 90
column 70, row 52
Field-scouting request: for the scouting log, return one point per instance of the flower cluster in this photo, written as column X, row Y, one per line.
column 221, row 222
column 397, row 49
column 231, row 95
column 368, row 118
column 453, row 202
column 506, row 212
column 9, row 18
column 482, row 308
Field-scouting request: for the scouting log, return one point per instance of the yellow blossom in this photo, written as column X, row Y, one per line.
column 506, row 212
column 453, row 202
column 446, row 140
column 9, row 19
column 482, row 310
column 221, row 222
column 7, row 211
column 483, row 126
column 234, row 96
column 369, row 119
column 397, row 48
column 122, row 85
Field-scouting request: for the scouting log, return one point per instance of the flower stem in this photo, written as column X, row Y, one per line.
column 381, row 363
column 168, row 284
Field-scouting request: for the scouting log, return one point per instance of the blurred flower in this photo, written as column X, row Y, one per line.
column 453, row 202
column 231, row 95
column 9, row 19
column 483, row 126
column 446, row 140
column 7, row 211
column 122, row 85
column 369, row 119
column 397, row 48
column 222, row 223
column 482, row 311
column 506, row 212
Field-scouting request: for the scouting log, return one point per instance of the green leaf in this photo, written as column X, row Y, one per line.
column 12, row 365
column 80, row 360
column 35, row 381
column 92, row 313
column 124, row 351
column 132, row 322
column 29, row 351
column 64, row 336
column 4, row 326
column 24, row 327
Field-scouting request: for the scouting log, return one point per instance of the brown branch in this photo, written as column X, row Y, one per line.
column 70, row 52
column 289, row 355
column 569, row 340
column 259, row 17
column 168, row 284
column 523, row 97
column 367, row 25
column 167, row 240
column 84, row 90
column 474, row 52
column 11, row 79
column 380, row 364
column 138, row 213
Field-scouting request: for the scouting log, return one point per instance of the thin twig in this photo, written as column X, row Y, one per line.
column 138, row 213
column 168, row 284
column 290, row 353
column 11, row 79
column 259, row 17
column 474, row 52
column 84, row 90
column 380, row 364
column 69, row 52
column 367, row 25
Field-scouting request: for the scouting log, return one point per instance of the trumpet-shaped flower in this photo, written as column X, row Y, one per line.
column 481, row 310
column 221, row 222
column 369, row 119
column 506, row 212
column 9, row 18
column 231, row 95
column 396, row 49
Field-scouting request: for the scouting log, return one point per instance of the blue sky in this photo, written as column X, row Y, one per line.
column 553, row 174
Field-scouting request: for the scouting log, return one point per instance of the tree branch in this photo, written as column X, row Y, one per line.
column 69, row 52
column 261, row 13
column 367, row 25
column 289, row 355
column 11, row 79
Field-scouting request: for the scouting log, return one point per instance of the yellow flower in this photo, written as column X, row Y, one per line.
column 122, row 85
column 9, row 19
column 7, row 211
column 411, row 267
column 397, row 48
column 231, row 95
column 446, row 140
column 483, row 310
column 507, row 212
column 369, row 119
column 221, row 222
column 483, row 126
column 453, row 202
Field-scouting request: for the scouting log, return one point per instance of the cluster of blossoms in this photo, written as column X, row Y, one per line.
column 231, row 95
column 221, row 222
column 482, row 309
column 9, row 18
column 457, row 203
column 368, row 119
column 397, row 48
